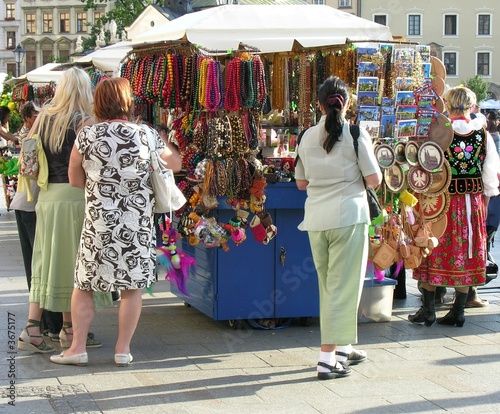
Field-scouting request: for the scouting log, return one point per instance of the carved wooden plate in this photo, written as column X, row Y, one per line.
column 430, row 156
column 411, row 153
column 419, row 180
column 440, row 180
column 394, row 178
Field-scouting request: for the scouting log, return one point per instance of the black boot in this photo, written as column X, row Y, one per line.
column 456, row 314
column 427, row 312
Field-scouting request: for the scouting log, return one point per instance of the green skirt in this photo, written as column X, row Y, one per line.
column 60, row 211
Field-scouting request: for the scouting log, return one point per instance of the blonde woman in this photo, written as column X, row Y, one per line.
column 59, row 211
column 459, row 261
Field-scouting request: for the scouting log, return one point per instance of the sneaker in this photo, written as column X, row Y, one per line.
column 92, row 343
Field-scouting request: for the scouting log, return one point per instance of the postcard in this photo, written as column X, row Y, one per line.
column 364, row 54
column 367, row 84
column 386, row 49
column 372, row 127
column 368, row 113
column 388, row 110
column 404, row 54
column 406, row 127
column 426, row 100
column 387, row 124
column 387, row 101
column 406, row 112
column 423, row 127
column 404, row 84
column 368, row 98
column 367, row 69
column 405, row 98
column 425, row 53
column 426, row 69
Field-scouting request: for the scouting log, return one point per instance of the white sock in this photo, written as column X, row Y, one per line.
column 346, row 349
column 327, row 358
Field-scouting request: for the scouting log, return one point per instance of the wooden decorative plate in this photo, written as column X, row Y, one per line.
column 394, row 178
column 399, row 151
column 433, row 207
column 440, row 180
column 430, row 156
column 411, row 153
column 419, row 180
column 441, row 131
column 385, row 156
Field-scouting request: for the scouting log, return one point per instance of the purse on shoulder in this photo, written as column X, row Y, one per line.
column 168, row 197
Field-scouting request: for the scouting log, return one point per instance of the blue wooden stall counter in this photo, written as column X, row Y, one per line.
column 253, row 280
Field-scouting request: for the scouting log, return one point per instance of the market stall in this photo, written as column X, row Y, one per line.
column 234, row 112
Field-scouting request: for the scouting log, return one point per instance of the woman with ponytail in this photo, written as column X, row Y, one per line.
column 337, row 219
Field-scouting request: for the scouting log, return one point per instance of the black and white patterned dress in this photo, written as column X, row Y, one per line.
column 117, row 246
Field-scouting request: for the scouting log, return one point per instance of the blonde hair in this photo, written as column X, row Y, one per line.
column 459, row 100
column 71, row 104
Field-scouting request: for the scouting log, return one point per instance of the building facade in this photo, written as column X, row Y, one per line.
column 10, row 12
column 47, row 30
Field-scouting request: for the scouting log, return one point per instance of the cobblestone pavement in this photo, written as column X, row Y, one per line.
column 184, row 362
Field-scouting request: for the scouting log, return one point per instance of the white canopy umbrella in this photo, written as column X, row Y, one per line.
column 108, row 58
column 44, row 74
column 270, row 28
column 489, row 104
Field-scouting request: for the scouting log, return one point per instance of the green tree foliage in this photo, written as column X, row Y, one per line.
column 124, row 14
column 477, row 85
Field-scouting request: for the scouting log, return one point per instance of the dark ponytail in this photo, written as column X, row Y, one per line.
column 333, row 95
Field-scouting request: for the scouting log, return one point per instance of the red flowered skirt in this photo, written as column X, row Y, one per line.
column 449, row 264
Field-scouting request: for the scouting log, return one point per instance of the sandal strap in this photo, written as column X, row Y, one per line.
column 33, row 322
column 332, row 368
column 344, row 354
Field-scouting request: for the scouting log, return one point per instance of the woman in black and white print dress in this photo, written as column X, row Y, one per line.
column 111, row 161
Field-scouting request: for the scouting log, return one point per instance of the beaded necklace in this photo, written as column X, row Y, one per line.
column 212, row 98
column 233, row 99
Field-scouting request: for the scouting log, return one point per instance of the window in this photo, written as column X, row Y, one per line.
column 47, row 57
column 11, row 40
column 483, row 25
column 450, row 25
column 97, row 16
column 483, row 64
column 12, row 69
column 10, row 11
column 63, row 56
column 380, row 19
column 30, row 23
column 319, row 2
column 414, row 22
column 64, row 22
column 47, row 23
column 30, row 60
column 81, row 22
column 450, row 63
column 344, row 3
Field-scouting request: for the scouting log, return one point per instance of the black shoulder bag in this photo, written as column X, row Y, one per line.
column 373, row 203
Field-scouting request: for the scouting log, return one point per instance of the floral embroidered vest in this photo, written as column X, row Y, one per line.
column 466, row 155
